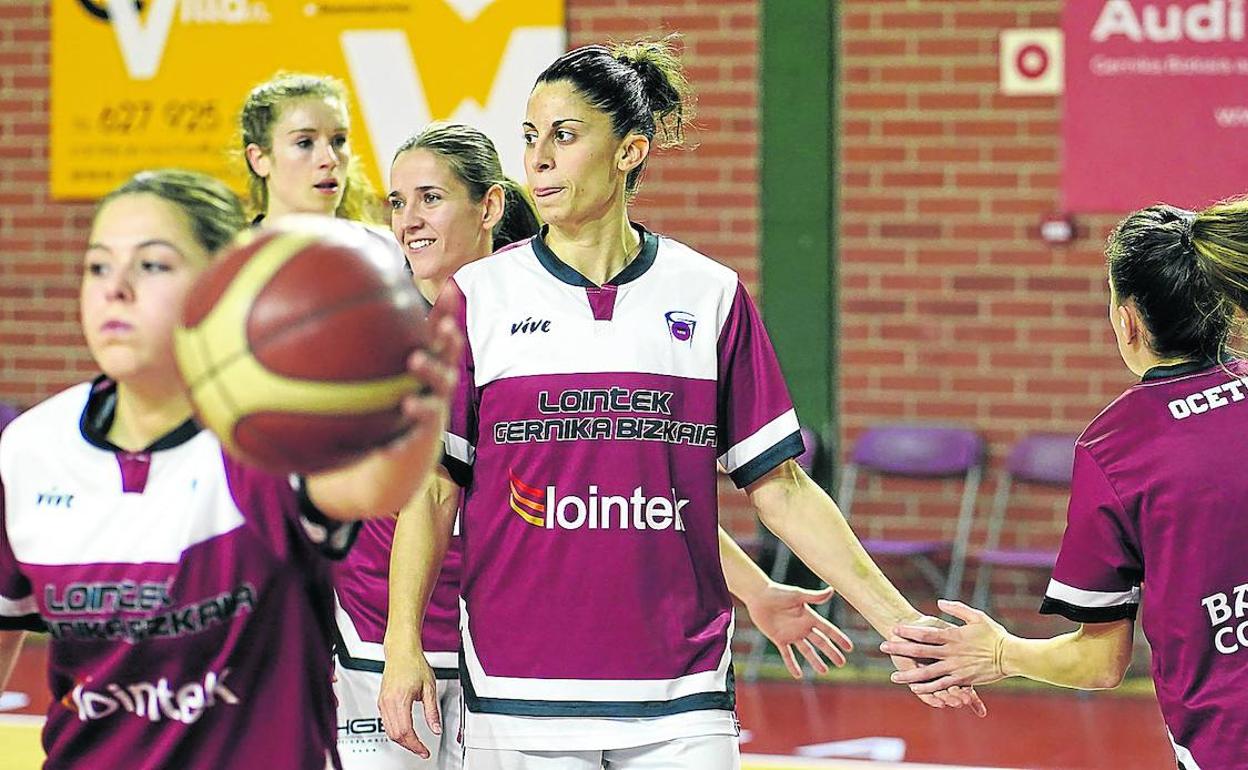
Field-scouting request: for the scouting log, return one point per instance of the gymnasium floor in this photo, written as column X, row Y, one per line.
column 840, row 725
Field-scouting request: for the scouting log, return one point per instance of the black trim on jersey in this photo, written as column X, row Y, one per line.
column 785, row 449
column 340, row 535
column 1079, row 614
column 33, row 622
column 1174, row 370
column 377, row 666
column 459, row 471
column 702, row 701
column 566, row 273
column 97, row 419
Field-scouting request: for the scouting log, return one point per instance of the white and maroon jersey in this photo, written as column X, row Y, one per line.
column 187, row 597
column 362, row 587
column 586, row 431
column 361, row 583
column 1159, row 513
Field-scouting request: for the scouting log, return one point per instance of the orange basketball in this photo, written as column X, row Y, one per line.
column 293, row 345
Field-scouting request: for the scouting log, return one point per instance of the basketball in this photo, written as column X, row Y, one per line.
column 293, row 345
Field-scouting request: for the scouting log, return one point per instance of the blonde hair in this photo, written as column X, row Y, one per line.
column 1219, row 236
column 262, row 109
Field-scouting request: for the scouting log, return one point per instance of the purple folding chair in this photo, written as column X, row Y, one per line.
column 7, row 413
column 1038, row 458
column 921, row 451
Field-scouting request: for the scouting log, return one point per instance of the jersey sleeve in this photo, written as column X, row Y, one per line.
column 758, row 427
column 18, row 611
column 1099, row 568
column 460, row 449
column 279, row 511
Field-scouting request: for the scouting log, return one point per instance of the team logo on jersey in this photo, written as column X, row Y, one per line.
column 530, row 326
column 152, row 701
column 529, row 502
column 547, row 509
column 55, row 498
column 681, row 325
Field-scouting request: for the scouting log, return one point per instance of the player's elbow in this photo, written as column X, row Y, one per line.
column 1107, row 678
column 1104, row 672
column 1116, row 670
column 779, row 492
column 1106, row 653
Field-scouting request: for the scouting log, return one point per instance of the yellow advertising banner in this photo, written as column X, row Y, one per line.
column 159, row 83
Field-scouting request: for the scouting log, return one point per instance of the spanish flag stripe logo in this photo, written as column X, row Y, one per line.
column 528, row 501
column 528, row 490
column 515, row 495
column 534, row 520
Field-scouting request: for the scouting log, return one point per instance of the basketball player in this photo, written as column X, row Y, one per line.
column 608, row 369
column 187, row 595
column 296, row 133
column 451, row 204
column 1156, row 505
column 296, row 139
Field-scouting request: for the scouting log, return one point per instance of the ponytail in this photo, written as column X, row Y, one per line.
column 1219, row 238
column 1157, row 258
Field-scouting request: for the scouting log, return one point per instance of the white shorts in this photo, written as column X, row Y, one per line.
column 705, row 752
column 362, row 741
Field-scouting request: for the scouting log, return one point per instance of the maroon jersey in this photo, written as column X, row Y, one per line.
column 362, row 586
column 186, row 595
column 1159, row 514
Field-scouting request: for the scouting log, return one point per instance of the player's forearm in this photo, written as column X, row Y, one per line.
column 745, row 580
column 802, row 515
column 10, row 646
column 421, row 537
column 377, row 485
column 1086, row 659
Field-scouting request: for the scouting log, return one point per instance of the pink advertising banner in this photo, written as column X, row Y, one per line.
column 1156, row 103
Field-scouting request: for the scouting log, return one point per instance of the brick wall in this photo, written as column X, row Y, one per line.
column 40, row 241
column 952, row 309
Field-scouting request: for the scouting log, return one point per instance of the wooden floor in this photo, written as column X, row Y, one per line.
column 841, row 726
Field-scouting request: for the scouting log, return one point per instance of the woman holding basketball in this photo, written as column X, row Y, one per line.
column 608, row 370
column 183, row 643
column 448, row 192
column 1156, row 503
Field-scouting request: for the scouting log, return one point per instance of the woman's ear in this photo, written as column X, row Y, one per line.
column 258, row 160
column 1129, row 321
column 495, row 204
column 633, row 152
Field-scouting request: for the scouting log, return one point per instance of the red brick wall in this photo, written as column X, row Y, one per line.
column 40, row 241
column 952, row 309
